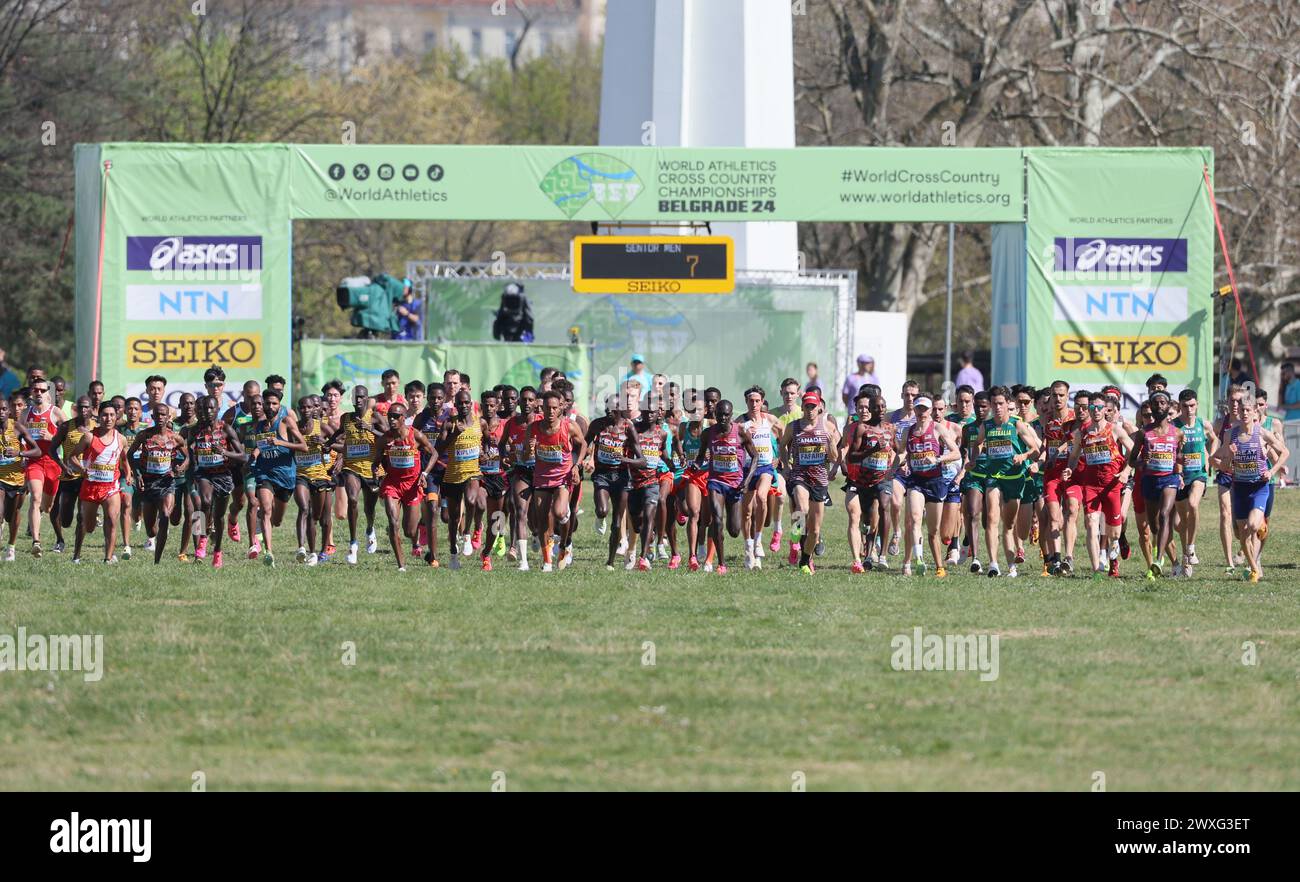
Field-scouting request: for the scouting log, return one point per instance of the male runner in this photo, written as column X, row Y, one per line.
column 104, row 452
column 214, row 445
column 355, row 440
column 810, row 450
column 399, row 451
column 927, row 446
column 654, row 443
column 1008, row 443
column 17, row 447
column 1157, row 449
column 521, row 470
column 1245, row 455
column 764, row 429
column 429, row 422
column 723, row 441
column 276, row 439
column 458, row 445
column 1104, row 445
column 129, row 508
column 244, row 497
column 155, row 392
column 332, row 394
column 72, row 471
column 490, row 463
column 691, row 487
column 870, row 459
column 789, row 411
column 1200, row 443
column 157, row 455
column 42, row 421
column 610, row 440
column 312, row 486
column 902, row 419
column 1058, row 422
column 556, row 445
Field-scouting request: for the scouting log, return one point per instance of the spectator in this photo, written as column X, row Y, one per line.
column 866, row 374
column 409, row 312
column 640, row 373
column 810, row 370
column 9, row 381
column 969, row 375
column 1240, row 376
column 1289, row 400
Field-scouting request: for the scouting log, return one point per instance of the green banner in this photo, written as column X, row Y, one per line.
column 193, row 264
column 657, row 183
column 196, row 251
column 362, row 362
column 1120, row 248
column 758, row 334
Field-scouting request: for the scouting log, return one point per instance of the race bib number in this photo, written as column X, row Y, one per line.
column 814, row 457
column 309, row 460
column 1192, row 462
column 465, row 454
column 725, row 463
column 401, row 460
column 877, row 462
column 101, row 474
column 1000, row 449
column 1095, row 456
column 490, row 467
column 549, row 454
column 158, row 462
column 608, row 455
column 358, row 451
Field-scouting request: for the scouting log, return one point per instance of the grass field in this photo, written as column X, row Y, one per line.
column 757, row 677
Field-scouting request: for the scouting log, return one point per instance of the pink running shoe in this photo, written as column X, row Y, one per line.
column 722, row 569
column 644, row 565
column 694, row 564
column 794, row 554
column 775, row 545
column 476, row 541
column 216, row 561
column 232, row 530
column 857, row 567
column 201, row 548
column 681, row 520
column 254, row 550
column 675, row 562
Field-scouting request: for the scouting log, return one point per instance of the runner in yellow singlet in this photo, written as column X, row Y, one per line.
column 459, row 445
column 355, row 440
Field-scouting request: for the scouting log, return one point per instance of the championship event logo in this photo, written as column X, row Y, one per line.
column 610, row 182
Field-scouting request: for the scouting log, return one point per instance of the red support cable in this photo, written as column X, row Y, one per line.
column 1232, row 278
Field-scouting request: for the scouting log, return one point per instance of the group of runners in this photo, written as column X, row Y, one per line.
column 674, row 473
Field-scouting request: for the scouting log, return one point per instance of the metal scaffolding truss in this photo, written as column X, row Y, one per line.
column 844, row 282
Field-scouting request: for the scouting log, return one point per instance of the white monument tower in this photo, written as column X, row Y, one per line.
column 704, row 73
